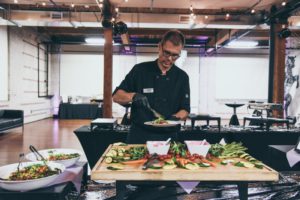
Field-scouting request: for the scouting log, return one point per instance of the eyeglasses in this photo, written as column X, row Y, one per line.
column 167, row 54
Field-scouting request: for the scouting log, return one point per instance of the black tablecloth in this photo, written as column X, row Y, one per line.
column 79, row 111
column 94, row 143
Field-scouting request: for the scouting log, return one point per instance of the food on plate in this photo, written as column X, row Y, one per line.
column 160, row 120
column 35, row 171
column 62, row 156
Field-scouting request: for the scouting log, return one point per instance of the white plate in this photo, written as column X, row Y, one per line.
column 169, row 124
column 47, row 152
column 25, row 185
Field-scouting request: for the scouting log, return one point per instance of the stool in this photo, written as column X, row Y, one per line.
column 206, row 118
column 234, row 119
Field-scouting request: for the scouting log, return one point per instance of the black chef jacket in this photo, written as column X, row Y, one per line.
column 167, row 94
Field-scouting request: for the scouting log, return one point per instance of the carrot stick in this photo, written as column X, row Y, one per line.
column 135, row 162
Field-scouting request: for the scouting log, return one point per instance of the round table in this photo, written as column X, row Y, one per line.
column 234, row 119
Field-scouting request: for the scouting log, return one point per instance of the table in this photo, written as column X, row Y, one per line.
column 238, row 175
column 60, row 191
column 268, row 121
column 79, row 111
column 206, row 118
column 234, row 119
column 257, row 141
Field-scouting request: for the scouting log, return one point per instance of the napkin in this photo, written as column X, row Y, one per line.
column 188, row 186
column 293, row 157
column 73, row 174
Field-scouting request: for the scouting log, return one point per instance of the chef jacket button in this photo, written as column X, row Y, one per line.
column 167, row 79
column 157, row 77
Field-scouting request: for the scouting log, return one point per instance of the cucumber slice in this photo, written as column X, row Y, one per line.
column 108, row 160
column 244, row 155
column 223, row 162
column 259, row 165
column 169, row 166
column 116, row 167
column 248, row 165
column 205, row 164
column 239, row 164
column 191, row 166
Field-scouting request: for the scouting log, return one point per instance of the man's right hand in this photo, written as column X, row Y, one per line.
column 140, row 100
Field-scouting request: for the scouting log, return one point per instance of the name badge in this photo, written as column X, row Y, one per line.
column 148, row 90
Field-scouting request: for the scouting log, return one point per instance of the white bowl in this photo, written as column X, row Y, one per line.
column 47, row 152
column 25, row 185
column 199, row 147
column 158, row 147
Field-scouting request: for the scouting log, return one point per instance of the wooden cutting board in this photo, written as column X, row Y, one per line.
column 218, row 173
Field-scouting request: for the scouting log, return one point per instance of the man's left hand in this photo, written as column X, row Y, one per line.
column 182, row 114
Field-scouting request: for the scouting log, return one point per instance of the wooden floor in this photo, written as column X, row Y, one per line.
column 44, row 134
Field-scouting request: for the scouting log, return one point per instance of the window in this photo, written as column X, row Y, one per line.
column 43, row 71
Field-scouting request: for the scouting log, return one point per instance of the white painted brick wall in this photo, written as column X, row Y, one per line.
column 23, row 76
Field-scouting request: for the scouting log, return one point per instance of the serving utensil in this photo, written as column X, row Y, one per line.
column 168, row 141
column 155, row 113
column 21, row 158
column 148, row 162
column 36, row 153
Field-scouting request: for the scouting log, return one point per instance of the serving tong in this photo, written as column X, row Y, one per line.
column 150, row 161
column 37, row 154
column 21, row 158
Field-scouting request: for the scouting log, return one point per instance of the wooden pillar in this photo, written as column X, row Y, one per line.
column 107, row 85
column 276, row 67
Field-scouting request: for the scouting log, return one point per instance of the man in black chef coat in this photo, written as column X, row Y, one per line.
column 158, row 84
column 161, row 85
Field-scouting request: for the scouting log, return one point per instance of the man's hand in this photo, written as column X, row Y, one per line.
column 182, row 114
column 140, row 100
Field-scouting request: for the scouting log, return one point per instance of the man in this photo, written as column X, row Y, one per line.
column 159, row 85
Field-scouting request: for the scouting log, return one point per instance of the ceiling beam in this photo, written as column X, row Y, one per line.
column 95, row 8
column 221, row 37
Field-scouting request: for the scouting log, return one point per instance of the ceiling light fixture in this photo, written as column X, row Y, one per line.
column 72, row 5
column 283, row 3
column 252, row 11
column 95, row 41
column 86, row 6
column 206, row 17
column 16, row 1
column 227, row 15
column 242, row 44
column 126, row 0
column 43, row 4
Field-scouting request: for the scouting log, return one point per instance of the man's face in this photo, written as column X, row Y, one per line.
column 168, row 54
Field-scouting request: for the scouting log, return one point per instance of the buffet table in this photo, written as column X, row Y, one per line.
column 79, row 111
column 257, row 141
column 219, row 173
